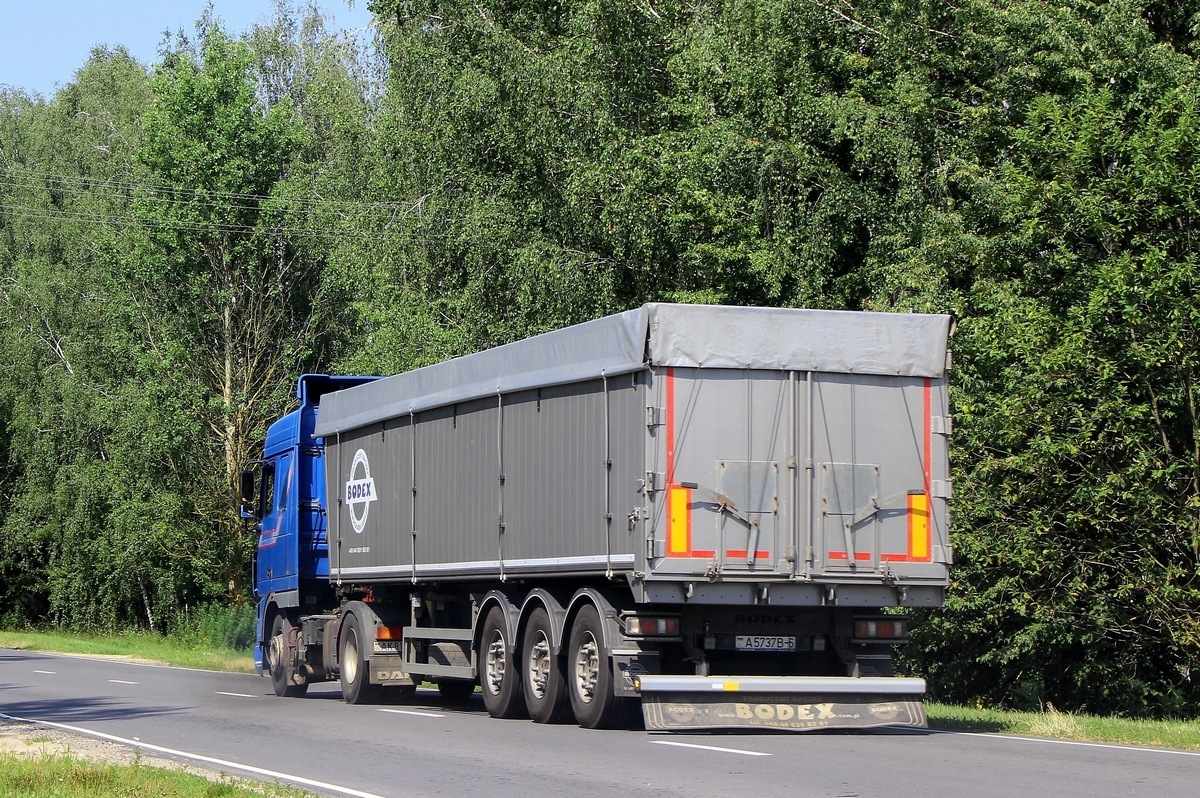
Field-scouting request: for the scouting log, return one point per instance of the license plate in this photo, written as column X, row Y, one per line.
column 765, row 643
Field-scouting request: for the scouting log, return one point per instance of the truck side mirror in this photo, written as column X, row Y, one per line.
column 246, row 497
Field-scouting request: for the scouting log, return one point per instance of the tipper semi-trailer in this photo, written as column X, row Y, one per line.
column 717, row 514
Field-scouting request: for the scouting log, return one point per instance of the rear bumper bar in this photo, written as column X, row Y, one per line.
column 783, row 703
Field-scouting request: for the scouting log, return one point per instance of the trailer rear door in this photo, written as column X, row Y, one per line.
column 775, row 474
column 723, row 501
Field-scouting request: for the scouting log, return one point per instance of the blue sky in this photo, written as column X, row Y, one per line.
column 43, row 42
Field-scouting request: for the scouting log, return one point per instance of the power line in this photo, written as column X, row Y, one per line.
column 134, row 189
column 217, row 227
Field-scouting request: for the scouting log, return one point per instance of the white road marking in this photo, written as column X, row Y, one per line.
column 413, row 712
column 48, row 673
column 121, row 681
column 1080, row 743
column 710, row 748
column 236, row 695
column 271, row 774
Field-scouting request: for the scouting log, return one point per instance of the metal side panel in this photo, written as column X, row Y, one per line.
column 541, row 482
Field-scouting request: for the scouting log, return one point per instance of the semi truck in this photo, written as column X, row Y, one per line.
column 719, row 515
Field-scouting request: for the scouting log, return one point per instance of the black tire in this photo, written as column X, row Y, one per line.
column 589, row 674
column 498, row 674
column 279, row 659
column 545, row 680
column 456, row 691
column 355, row 667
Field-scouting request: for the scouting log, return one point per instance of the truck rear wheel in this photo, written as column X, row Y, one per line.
column 279, row 658
column 498, row 676
column 545, row 682
column 355, row 667
column 589, row 673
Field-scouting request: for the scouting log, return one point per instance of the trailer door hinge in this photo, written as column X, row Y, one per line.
column 942, row 489
column 941, row 425
column 654, row 416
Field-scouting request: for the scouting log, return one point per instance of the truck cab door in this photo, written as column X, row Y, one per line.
column 277, row 555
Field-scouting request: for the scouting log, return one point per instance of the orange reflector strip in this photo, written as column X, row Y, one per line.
column 918, row 527
column 679, row 521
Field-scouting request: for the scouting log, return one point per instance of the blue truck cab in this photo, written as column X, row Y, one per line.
column 286, row 502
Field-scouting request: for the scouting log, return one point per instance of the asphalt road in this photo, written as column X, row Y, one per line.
column 233, row 723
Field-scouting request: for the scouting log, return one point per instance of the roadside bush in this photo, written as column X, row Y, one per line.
column 216, row 626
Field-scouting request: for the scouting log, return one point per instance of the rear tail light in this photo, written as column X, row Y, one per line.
column 388, row 632
column 651, row 626
column 881, row 629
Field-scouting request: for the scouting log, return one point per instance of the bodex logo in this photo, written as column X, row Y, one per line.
column 360, row 491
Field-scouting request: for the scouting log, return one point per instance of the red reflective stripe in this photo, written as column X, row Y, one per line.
column 759, row 554
column 670, row 426
column 841, row 555
column 928, row 436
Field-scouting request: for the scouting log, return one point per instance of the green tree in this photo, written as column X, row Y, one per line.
column 1076, row 458
column 234, row 295
column 92, row 520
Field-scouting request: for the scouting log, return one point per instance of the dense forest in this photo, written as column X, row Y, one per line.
column 179, row 240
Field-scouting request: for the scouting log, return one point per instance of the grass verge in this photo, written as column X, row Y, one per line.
column 1177, row 734
column 66, row 776
column 141, row 647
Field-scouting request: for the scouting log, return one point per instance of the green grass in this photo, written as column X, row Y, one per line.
column 66, row 776
column 1177, row 734
column 145, row 647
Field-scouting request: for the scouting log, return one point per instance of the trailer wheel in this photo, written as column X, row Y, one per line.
column 545, row 681
column 589, row 673
column 355, row 667
column 278, row 658
column 498, row 676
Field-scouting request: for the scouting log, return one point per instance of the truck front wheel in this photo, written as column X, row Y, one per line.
column 589, row 673
column 497, row 674
column 279, row 658
column 355, row 667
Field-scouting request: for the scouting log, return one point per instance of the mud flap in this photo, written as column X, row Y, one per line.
column 781, row 704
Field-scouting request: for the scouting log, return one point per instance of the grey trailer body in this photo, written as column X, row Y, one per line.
column 765, row 480
column 667, row 444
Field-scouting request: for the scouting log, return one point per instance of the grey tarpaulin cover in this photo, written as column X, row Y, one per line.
column 704, row 336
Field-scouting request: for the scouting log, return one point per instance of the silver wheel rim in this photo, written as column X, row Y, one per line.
column 350, row 666
column 276, row 652
column 539, row 665
column 495, row 664
column 587, row 668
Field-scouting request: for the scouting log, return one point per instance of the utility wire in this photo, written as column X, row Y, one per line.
column 128, row 193
column 218, row 227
